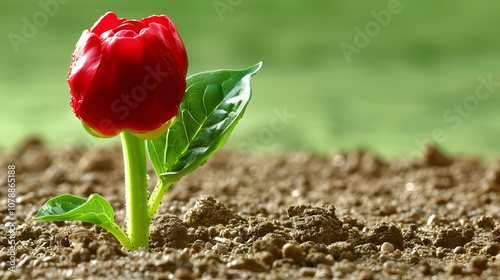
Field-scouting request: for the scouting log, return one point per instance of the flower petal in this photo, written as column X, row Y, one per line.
column 172, row 37
column 134, row 25
column 181, row 49
column 162, row 44
column 169, row 76
column 125, row 33
column 85, row 61
column 107, row 22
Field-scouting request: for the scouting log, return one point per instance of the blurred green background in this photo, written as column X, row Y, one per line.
column 404, row 82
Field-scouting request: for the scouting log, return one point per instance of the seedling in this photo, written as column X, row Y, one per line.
column 212, row 104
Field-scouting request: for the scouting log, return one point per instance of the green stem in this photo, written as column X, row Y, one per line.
column 165, row 180
column 156, row 197
column 136, row 195
column 120, row 235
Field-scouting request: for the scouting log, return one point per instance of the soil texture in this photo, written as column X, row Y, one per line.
column 294, row 216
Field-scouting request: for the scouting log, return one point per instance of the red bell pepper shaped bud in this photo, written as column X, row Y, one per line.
column 128, row 75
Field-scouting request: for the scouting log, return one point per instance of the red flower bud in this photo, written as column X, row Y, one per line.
column 128, row 75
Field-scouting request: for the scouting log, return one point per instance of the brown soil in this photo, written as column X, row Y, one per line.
column 295, row 216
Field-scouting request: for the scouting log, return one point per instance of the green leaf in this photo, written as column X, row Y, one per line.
column 213, row 104
column 95, row 210
column 156, row 152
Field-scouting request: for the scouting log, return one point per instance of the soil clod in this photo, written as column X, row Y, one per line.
column 168, row 231
column 317, row 224
column 208, row 212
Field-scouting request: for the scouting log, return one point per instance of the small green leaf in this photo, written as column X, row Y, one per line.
column 213, row 104
column 95, row 210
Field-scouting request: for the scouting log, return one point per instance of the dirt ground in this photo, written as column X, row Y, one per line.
column 295, row 216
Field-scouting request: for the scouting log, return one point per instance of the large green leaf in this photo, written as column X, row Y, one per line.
column 95, row 210
column 213, row 104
